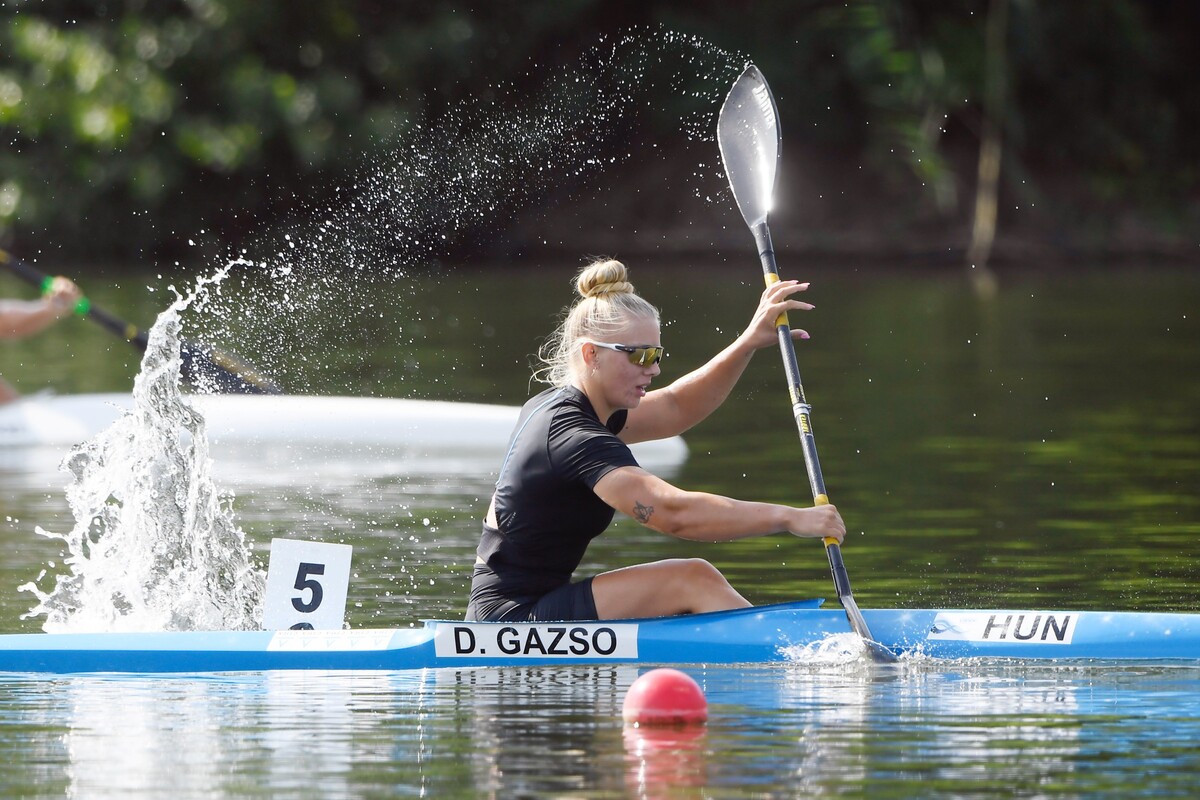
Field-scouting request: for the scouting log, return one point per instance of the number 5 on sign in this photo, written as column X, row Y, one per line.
column 306, row 585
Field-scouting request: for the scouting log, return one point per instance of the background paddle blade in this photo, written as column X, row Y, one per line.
column 215, row 371
column 749, row 138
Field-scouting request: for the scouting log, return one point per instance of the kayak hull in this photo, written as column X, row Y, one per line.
column 766, row 634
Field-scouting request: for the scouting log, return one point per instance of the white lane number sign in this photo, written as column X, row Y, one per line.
column 306, row 585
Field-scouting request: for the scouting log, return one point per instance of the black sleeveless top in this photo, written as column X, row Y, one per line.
column 545, row 506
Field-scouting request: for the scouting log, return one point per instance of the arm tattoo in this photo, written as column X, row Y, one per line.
column 642, row 513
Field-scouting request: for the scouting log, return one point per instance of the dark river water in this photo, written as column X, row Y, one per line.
column 1039, row 448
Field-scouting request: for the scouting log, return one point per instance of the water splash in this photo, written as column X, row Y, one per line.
column 154, row 546
column 463, row 178
column 835, row 650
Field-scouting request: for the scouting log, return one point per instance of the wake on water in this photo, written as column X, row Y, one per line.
column 153, row 547
column 837, row 649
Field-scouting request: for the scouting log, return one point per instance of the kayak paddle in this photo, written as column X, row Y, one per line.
column 750, row 142
column 203, row 365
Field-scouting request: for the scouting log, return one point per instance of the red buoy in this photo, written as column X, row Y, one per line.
column 665, row 697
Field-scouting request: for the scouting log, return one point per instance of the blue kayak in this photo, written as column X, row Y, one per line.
column 774, row 633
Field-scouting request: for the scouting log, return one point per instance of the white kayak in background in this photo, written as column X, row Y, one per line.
column 430, row 435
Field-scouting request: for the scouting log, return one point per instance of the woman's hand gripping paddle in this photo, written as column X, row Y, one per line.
column 748, row 134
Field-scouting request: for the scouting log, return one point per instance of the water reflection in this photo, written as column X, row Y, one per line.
column 790, row 730
column 541, row 730
column 979, row 724
column 299, row 734
column 669, row 761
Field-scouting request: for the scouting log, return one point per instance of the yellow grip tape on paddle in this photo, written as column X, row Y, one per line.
column 772, row 278
column 823, row 500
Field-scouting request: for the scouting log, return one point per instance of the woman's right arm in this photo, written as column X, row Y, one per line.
column 705, row 517
column 675, row 408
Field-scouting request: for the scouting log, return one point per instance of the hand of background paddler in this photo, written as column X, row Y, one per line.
column 62, row 296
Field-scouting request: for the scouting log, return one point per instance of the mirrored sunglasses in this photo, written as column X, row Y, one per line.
column 642, row 355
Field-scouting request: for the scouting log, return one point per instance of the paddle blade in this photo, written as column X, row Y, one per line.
column 216, row 371
column 748, row 135
column 877, row 652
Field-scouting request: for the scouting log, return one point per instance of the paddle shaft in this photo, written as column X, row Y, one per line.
column 214, row 369
column 750, row 142
column 802, row 411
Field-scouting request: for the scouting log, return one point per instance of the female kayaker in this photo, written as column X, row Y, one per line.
column 569, row 467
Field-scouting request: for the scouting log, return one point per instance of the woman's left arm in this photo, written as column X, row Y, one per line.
column 675, row 408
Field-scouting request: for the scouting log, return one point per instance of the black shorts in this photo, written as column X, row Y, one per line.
column 571, row 601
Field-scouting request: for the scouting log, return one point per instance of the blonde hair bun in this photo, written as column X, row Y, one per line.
column 602, row 278
column 606, row 305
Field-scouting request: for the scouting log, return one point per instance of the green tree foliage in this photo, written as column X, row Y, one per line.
column 141, row 122
column 132, row 124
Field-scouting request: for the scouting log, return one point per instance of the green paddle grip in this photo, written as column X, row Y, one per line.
column 82, row 306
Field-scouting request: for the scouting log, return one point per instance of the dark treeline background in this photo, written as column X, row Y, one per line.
column 963, row 130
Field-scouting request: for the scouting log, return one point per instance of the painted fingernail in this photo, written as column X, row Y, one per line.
column 804, row 335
